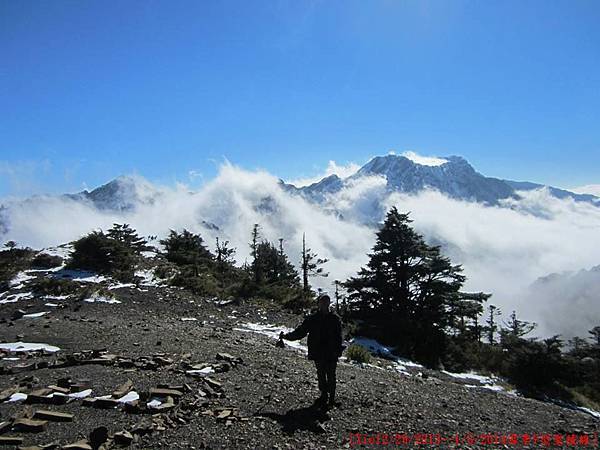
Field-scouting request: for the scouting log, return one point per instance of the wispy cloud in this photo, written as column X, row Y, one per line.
column 593, row 189
column 22, row 178
column 333, row 168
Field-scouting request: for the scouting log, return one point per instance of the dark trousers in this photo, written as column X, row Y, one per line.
column 326, row 376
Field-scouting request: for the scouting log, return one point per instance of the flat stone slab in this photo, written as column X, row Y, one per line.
column 30, row 425
column 11, row 440
column 53, row 416
column 164, row 392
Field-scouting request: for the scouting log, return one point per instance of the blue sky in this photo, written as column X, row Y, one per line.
column 91, row 90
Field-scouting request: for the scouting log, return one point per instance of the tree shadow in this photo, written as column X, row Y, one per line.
column 308, row 418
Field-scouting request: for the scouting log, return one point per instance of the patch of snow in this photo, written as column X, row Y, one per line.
column 222, row 302
column 16, row 297
column 272, row 331
column 148, row 254
column 188, row 319
column 101, row 299
column 148, row 278
column 19, row 280
column 205, row 371
column 83, row 276
column 472, row 376
column 381, row 350
column 121, row 285
column 16, row 397
column 424, row 160
column 591, row 412
column 35, row 315
column 154, row 403
column 131, row 396
column 64, row 251
column 492, row 387
column 52, row 305
column 27, row 347
column 82, row 394
column 11, row 359
column 56, row 297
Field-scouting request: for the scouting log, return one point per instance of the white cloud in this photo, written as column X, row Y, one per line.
column 424, row 160
column 22, row 178
column 593, row 189
column 333, row 168
column 503, row 250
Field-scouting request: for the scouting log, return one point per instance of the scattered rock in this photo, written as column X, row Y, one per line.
column 11, row 440
column 123, row 389
column 30, row 425
column 123, row 438
column 165, row 392
column 53, row 416
column 79, row 445
column 98, row 436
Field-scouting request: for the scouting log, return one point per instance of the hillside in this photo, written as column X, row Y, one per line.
column 227, row 386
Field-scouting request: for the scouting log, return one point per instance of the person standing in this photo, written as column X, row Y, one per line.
column 324, row 330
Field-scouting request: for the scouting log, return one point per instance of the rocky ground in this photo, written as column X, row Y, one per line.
column 207, row 383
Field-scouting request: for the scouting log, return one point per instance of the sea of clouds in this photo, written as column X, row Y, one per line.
column 503, row 249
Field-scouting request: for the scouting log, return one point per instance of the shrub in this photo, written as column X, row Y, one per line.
column 54, row 286
column 201, row 283
column 46, row 261
column 186, row 248
column 358, row 354
column 13, row 261
column 100, row 253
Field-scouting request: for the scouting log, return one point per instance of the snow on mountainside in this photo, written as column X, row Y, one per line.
column 452, row 176
column 123, row 193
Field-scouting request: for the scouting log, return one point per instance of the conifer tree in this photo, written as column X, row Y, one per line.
column 311, row 265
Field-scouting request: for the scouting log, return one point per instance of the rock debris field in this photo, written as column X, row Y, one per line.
column 154, row 366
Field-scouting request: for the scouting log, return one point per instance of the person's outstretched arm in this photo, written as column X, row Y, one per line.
column 299, row 332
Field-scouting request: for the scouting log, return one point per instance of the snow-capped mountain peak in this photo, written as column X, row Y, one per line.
column 123, row 193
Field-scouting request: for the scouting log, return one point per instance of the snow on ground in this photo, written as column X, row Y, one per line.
column 121, row 285
column 591, row 412
column 27, row 347
column 154, row 403
column 491, row 387
column 97, row 298
column 271, row 331
column 56, row 297
column 64, row 251
column 188, row 319
column 43, row 271
column 81, row 394
column 16, row 297
column 400, row 364
column 16, row 397
column 205, row 371
column 148, row 278
column 83, row 276
column 490, row 383
column 130, row 397
column 19, row 280
column 35, row 315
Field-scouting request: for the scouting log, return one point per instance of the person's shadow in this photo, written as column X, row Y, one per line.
column 308, row 418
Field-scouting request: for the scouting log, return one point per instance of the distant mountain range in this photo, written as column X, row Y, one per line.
column 452, row 176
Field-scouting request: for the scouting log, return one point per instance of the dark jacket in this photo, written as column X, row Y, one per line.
column 324, row 335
